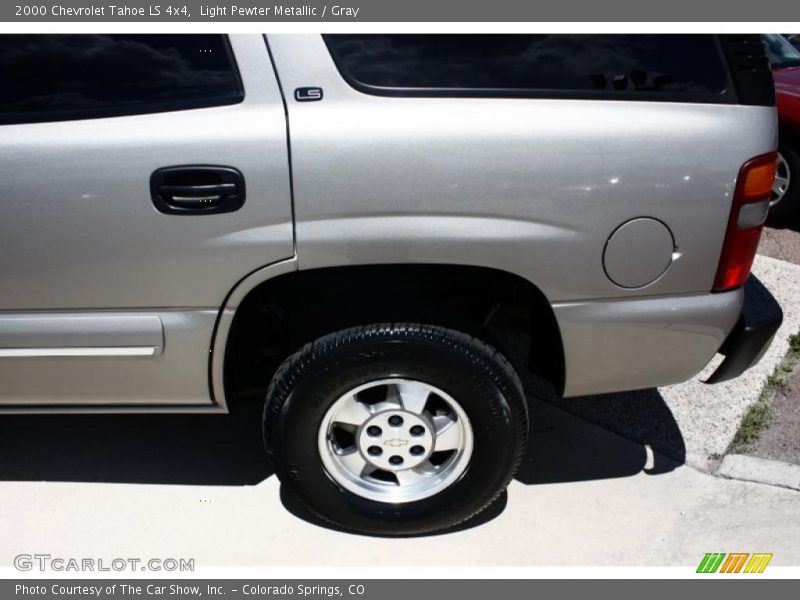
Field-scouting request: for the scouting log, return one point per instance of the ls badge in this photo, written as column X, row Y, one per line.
column 308, row 94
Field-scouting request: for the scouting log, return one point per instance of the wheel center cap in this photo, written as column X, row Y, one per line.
column 395, row 440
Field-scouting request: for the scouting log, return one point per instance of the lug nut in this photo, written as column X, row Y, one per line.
column 417, row 450
column 395, row 420
column 374, row 430
column 417, row 430
column 395, row 460
column 375, row 451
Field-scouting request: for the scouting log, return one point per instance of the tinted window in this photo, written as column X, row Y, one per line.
column 606, row 64
column 55, row 77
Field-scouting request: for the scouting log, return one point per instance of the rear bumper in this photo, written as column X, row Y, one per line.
column 760, row 318
column 618, row 345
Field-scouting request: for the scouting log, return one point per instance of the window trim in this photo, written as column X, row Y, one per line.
column 129, row 110
column 726, row 96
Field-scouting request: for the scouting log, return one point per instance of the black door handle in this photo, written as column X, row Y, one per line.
column 199, row 197
column 197, row 189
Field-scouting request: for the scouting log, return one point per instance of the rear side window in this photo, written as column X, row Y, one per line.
column 626, row 66
column 58, row 77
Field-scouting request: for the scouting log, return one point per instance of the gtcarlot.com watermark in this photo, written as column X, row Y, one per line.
column 47, row 562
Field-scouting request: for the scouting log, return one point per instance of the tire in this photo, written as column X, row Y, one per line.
column 474, row 388
column 789, row 206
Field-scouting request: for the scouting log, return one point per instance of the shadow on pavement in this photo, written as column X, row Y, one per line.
column 157, row 449
column 566, row 443
column 600, row 437
column 776, row 222
column 572, row 440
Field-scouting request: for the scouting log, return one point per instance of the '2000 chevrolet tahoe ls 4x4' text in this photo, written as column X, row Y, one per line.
column 343, row 221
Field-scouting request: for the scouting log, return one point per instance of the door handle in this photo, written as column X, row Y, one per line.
column 197, row 196
column 197, row 190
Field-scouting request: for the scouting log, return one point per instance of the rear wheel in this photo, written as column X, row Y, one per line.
column 396, row 429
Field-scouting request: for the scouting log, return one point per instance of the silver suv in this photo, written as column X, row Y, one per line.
column 355, row 226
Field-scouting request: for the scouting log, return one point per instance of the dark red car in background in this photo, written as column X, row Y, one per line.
column 785, row 60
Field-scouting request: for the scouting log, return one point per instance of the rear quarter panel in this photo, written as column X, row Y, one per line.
column 531, row 186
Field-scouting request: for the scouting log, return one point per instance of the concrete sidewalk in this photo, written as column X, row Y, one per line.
column 585, row 497
column 709, row 416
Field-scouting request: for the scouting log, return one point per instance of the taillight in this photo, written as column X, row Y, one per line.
column 748, row 213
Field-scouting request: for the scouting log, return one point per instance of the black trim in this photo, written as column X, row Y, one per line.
column 760, row 318
column 194, row 182
column 726, row 96
column 749, row 69
column 288, row 142
column 20, row 118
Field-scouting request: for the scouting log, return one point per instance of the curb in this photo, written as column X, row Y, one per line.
column 760, row 470
column 710, row 415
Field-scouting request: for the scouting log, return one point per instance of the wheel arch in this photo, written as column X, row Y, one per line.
column 462, row 292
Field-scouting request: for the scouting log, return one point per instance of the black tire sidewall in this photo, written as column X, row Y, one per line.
column 466, row 373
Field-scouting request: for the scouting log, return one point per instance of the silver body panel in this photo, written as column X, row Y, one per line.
column 534, row 187
column 530, row 186
column 645, row 342
column 175, row 375
column 81, row 330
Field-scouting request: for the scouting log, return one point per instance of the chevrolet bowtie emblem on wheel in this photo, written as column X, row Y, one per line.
column 395, row 442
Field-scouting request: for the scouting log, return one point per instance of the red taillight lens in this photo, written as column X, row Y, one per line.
column 748, row 213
